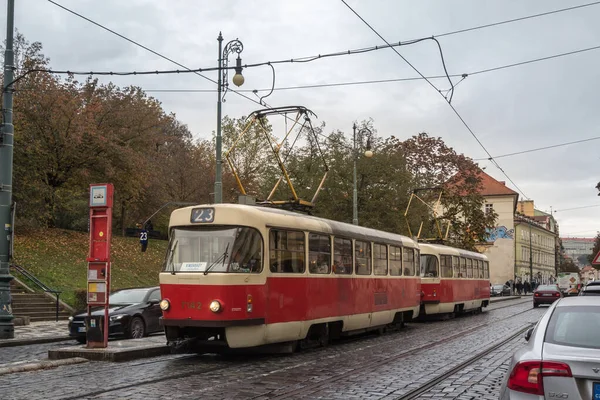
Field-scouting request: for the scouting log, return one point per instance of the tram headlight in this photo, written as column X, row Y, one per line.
column 215, row 306
column 165, row 304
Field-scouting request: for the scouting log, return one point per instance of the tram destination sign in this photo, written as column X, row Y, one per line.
column 203, row 215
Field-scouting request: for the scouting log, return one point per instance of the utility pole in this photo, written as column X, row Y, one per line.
column 530, row 256
column 7, row 330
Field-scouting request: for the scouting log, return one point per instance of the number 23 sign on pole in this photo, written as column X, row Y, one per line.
column 144, row 239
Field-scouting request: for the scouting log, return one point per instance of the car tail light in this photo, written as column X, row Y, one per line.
column 527, row 376
column 536, row 294
column 557, row 294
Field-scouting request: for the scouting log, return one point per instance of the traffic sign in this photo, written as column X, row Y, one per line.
column 596, row 260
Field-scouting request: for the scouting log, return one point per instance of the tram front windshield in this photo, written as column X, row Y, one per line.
column 429, row 266
column 214, row 249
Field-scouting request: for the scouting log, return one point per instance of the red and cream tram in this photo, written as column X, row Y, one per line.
column 453, row 280
column 239, row 276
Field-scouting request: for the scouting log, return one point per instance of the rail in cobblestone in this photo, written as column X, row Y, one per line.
column 415, row 393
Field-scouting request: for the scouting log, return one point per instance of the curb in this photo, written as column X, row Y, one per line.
column 24, row 342
column 109, row 354
column 41, row 365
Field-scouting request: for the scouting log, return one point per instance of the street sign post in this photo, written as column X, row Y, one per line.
column 98, row 273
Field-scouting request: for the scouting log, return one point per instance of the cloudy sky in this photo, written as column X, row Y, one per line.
column 510, row 110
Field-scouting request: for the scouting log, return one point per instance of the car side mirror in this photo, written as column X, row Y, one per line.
column 528, row 334
column 154, row 302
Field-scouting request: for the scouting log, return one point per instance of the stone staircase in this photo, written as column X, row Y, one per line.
column 35, row 306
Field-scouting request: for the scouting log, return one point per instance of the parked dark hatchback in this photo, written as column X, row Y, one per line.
column 500, row 290
column 545, row 294
column 132, row 312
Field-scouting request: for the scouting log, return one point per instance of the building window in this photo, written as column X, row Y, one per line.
column 489, row 208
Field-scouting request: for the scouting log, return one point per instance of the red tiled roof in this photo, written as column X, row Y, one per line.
column 492, row 187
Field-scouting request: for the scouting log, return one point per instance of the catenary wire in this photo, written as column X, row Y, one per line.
column 577, row 208
column 541, row 148
column 449, row 103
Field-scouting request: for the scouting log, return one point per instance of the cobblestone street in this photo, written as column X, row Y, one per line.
column 372, row 367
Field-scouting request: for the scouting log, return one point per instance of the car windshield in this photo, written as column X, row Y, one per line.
column 214, row 249
column 574, row 326
column 129, row 296
column 547, row 287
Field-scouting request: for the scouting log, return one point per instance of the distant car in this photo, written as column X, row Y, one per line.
column 593, row 290
column 133, row 313
column 545, row 294
column 561, row 359
column 500, row 290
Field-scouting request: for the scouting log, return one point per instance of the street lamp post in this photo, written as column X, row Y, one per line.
column 234, row 46
column 368, row 154
column 530, row 256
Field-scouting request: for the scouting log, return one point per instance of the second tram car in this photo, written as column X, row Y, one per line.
column 238, row 276
column 453, row 280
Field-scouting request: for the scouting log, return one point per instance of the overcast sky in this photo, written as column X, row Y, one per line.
column 514, row 109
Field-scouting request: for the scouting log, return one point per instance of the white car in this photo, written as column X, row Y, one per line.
column 561, row 359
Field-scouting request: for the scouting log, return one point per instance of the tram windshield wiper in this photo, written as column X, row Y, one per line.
column 221, row 258
column 170, row 261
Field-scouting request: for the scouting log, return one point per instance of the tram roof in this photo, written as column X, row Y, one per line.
column 289, row 219
column 443, row 249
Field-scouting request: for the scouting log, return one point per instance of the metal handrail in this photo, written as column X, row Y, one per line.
column 39, row 283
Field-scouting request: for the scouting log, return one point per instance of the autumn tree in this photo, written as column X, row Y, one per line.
column 434, row 165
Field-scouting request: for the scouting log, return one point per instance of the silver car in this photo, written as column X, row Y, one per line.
column 561, row 359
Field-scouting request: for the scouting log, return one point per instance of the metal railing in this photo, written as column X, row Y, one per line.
column 39, row 283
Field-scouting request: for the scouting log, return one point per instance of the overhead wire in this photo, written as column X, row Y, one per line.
column 449, row 103
column 541, row 148
column 577, row 208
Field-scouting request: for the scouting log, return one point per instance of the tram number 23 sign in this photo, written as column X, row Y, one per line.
column 203, row 215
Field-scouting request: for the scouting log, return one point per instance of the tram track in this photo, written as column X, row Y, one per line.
column 415, row 393
column 347, row 374
column 216, row 365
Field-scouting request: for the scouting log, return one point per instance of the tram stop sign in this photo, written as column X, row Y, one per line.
column 144, row 239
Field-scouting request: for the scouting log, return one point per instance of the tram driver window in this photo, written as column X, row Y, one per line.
column 342, row 256
column 286, row 251
column 408, row 261
column 429, row 266
column 319, row 254
column 362, row 254
column 395, row 261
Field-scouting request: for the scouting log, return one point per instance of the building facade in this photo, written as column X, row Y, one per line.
column 500, row 243
column 535, row 250
column 578, row 247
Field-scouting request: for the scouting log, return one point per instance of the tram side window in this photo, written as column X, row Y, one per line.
column 342, row 256
column 486, row 270
column 469, row 268
column 362, row 257
column 463, row 268
column 319, row 254
column 479, row 269
column 286, row 251
column 446, row 266
column 380, row 262
column 408, row 261
column 456, row 266
column 395, row 261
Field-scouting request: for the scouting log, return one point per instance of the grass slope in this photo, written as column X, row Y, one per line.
column 58, row 258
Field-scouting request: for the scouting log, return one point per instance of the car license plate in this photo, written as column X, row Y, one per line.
column 81, row 329
column 596, row 392
column 546, row 294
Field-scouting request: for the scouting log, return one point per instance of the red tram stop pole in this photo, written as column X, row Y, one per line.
column 98, row 271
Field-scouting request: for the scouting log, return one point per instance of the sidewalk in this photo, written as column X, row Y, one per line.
column 38, row 332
